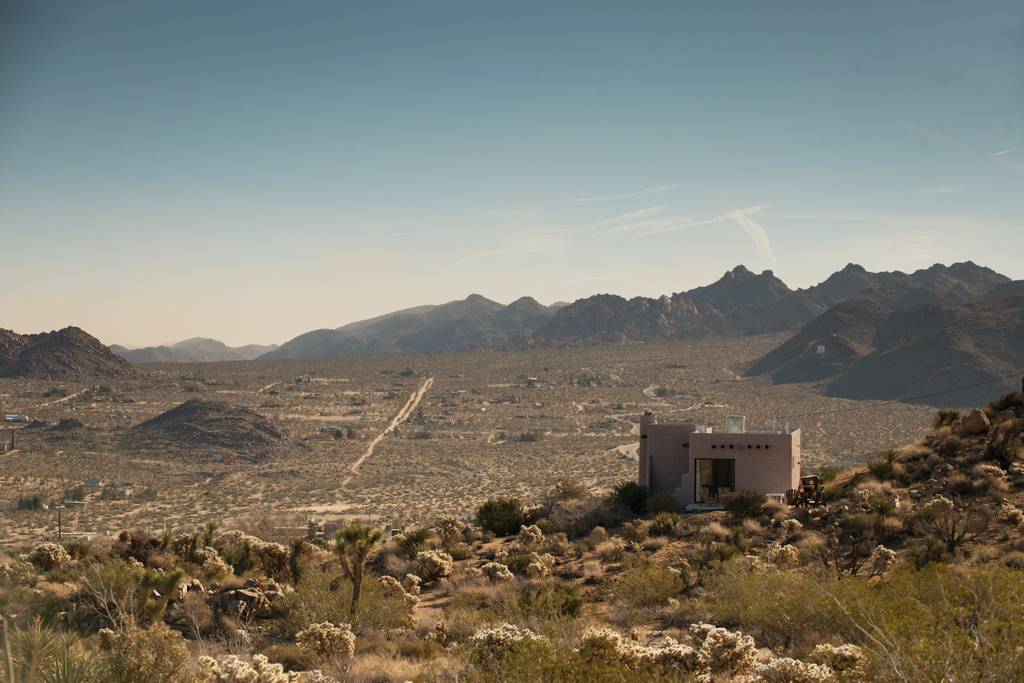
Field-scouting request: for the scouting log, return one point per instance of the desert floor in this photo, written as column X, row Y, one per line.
column 430, row 434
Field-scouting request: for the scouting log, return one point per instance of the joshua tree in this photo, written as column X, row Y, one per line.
column 354, row 543
column 295, row 552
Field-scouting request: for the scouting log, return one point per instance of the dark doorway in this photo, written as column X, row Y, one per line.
column 713, row 478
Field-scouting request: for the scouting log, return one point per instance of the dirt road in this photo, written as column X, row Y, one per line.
column 401, row 417
column 66, row 398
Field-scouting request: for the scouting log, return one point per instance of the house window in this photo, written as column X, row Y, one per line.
column 714, row 478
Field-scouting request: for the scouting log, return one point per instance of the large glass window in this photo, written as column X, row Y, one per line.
column 714, row 477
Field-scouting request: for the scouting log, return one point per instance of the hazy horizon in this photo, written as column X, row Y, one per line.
column 249, row 171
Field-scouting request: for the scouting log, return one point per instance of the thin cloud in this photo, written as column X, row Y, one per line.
column 758, row 235
column 1005, row 152
column 936, row 189
column 616, row 197
column 632, row 215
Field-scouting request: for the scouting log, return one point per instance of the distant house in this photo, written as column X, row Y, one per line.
column 698, row 465
column 17, row 418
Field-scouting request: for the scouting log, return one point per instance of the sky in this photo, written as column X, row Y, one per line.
column 251, row 170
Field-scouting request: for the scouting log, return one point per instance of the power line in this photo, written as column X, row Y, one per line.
column 907, row 398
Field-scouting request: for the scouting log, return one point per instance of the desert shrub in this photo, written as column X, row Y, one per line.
column 883, row 468
column 664, row 523
column 508, row 652
column 746, row 504
column 781, row 609
column 115, row 593
column 449, row 529
column 48, row 556
column 413, row 541
column 36, row 501
column 645, row 583
column 154, row 655
column 946, row 418
column 827, row 473
column 568, row 488
column 662, row 502
column 291, row 657
column 635, row 531
column 1002, row 447
column 943, row 520
column 502, row 516
column 318, row 597
column 530, row 536
column 577, row 517
column 631, row 495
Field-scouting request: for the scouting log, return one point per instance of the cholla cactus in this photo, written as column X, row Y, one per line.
column 17, row 573
column 782, row 556
column 327, row 640
column 394, row 587
column 496, row 571
column 440, row 635
column 434, row 564
column 1012, row 514
column 48, row 556
column 786, row 670
column 209, row 559
column 411, row 583
column 880, row 562
column 539, row 565
column 791, row 527
column 231, row 669
column 842, row 659
column 498, row 640
column 530, row 536
column 939, row 505
column 989, row 471
column 723, row 653
column 605, row 645
column 449, row 528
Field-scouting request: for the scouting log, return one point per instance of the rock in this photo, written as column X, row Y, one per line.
column 1004, row 416
column 976, row 422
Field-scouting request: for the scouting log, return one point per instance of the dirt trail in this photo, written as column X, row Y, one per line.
column 401, row 417
column 66, row 398
column 270, row 386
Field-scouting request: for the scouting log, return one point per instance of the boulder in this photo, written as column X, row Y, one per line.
column 976, row 422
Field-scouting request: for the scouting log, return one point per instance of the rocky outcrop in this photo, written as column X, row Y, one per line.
column 70, row 354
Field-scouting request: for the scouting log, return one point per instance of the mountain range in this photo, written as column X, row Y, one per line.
column 195, row 350
column 880, row 346
column 475, row 322
column 740, row 302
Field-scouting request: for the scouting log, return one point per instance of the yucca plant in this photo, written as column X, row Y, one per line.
column 354, row 543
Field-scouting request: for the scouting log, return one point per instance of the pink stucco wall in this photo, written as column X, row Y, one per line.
column 765, row 462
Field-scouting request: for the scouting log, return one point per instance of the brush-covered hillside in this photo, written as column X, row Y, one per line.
column 912, row 569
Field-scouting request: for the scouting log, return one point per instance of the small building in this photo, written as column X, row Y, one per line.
column 698, row 465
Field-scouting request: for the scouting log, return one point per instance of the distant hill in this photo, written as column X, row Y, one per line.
column 871, row 349
column 195, row 350
column 471, row 323
column 201, row 423
column 740, row 302
column 67, row 354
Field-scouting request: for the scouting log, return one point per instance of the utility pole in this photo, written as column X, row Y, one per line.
column 60, row 523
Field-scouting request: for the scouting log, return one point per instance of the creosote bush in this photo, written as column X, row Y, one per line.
column 502, row 516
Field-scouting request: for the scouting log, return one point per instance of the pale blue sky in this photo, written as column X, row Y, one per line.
column 252, row 170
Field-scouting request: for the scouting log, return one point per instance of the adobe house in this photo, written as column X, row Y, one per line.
column 698, row 465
